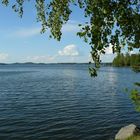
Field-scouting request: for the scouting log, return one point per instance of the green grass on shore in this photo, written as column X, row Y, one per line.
column 134, row 138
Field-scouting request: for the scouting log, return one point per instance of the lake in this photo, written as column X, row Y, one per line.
column 62, row 102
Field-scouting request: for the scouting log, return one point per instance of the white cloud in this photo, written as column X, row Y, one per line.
column 90, row 58
column 74, row 22
column 134, row 51
column 71, row 26
column 40, row 59
column 109, row 50
column 3, row 56
column 69, row 50
column 26, row 32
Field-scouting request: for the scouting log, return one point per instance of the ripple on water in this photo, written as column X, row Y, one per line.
column 62, row 102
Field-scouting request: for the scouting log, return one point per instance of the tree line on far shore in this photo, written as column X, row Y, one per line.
column 132, row 60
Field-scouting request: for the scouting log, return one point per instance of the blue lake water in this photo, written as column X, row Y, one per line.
column 62, row 102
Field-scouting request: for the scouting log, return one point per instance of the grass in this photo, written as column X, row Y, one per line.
column 134, row 138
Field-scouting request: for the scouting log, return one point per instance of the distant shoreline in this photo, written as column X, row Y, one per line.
column 31, row 63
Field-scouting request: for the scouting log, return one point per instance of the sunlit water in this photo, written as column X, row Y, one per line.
column 62, row 102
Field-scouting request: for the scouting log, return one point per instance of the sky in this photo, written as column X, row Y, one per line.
column 21, row 41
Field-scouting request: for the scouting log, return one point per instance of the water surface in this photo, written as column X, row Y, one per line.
column 62, row 102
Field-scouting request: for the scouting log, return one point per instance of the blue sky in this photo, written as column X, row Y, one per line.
column 21, row 41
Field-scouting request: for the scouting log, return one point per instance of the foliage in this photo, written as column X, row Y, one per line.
column 137, row 84
column 109, row 22
column 119, row 60
column 127, row 60
column 135, row 96
column 136, row 68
